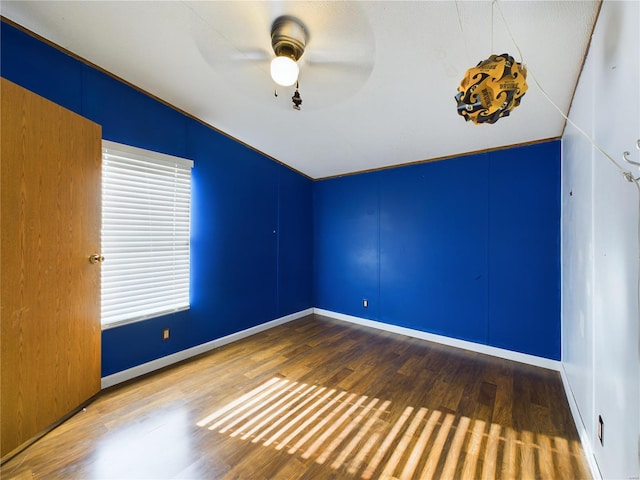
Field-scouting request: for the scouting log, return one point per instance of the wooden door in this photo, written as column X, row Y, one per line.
column 50, row 292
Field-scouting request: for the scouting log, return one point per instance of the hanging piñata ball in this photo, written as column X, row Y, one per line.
column 491, row 89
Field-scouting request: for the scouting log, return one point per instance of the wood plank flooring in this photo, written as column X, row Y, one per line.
column 320, row 399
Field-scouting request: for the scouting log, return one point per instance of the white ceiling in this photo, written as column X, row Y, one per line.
column 378, row 79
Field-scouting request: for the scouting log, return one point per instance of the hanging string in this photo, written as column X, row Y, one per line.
column 492, row 5
column 464, row 37
column 459, row 19
column 504, row 20
column 628, row 175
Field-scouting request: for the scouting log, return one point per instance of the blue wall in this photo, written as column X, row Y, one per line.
column 252, row 220
column 467, row 248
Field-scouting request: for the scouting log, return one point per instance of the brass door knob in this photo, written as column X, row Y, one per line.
column 96, row 258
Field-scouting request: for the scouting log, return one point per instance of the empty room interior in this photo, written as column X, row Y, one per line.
column 320, row 240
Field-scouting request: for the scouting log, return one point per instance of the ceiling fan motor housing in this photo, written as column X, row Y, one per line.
column 288, row 37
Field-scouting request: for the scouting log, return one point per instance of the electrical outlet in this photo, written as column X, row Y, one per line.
column 165, row 334
column 365, row 303
column 601, row 430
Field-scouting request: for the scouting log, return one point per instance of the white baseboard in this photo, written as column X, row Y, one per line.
column 153, row 365
column 452, row 342
column 162, row 362
column 585, row 437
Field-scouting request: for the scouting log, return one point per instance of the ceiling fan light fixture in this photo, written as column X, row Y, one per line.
column 284, row 71
column 288, row 38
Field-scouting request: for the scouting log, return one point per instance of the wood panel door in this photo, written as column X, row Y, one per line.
column 50, row 292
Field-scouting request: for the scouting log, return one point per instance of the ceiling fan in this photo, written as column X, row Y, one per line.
column 288, row 38
column 330, row 54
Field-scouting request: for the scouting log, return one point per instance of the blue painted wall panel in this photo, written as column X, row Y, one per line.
column 295, row 236
column 134, row 344
column 235, row 232
column 524, row 249
column 35, row 66
column 346, row 244
column 433, row 248
column 130, row 117
column 245, row 207
column 466, row 248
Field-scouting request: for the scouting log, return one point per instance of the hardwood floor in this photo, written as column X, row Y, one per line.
column 320, row 399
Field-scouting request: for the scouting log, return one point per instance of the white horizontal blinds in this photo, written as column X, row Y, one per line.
column 146, row 205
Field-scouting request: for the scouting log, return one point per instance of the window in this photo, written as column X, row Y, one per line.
column 146, row 210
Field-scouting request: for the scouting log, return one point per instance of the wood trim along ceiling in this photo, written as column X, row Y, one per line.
column 187, row 114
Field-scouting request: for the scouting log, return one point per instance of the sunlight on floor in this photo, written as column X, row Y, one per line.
column 118, row 453
column 360, row 434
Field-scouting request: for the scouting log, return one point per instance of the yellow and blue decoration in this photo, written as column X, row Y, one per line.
column 491, row 89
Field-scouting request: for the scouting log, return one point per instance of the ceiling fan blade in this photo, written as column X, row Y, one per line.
column 234, row 39
column 252, row 55
column 336, row 64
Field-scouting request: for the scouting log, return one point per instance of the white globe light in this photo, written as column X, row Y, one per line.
column 284, row 71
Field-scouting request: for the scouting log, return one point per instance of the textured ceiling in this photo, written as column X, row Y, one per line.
column 378, row 79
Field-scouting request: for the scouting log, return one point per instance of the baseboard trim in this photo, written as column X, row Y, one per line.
column 143, row 369
column 452, row 342
column 18, row 450
column 585, row 437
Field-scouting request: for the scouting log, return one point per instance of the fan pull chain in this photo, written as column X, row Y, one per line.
column 297, row 99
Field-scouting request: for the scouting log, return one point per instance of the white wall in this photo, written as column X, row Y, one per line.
column 600, row 254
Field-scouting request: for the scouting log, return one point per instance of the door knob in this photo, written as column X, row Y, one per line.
column 96, row 258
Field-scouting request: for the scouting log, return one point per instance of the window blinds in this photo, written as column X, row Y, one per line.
column 146, row 209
